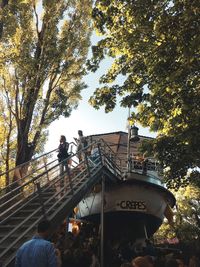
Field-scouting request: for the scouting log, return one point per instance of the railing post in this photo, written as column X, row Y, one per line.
column 87, row 163
column 100, row 154
column 41, row 200
column 45, row 167
column 102, row 219
column 69, row 176
column 145, row 231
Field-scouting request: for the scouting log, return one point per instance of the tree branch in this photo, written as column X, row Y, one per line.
column 2, row 6
column 36, row 17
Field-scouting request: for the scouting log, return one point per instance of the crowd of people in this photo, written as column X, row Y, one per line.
column 81, row 248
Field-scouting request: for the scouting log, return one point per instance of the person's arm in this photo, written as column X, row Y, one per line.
column 51, row 256
column 67, row 146
column 17, row 259
column 58, row 257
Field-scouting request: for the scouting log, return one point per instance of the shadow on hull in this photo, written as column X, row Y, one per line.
column 127, row 225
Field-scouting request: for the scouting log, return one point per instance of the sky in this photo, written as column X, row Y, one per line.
column 86, row 118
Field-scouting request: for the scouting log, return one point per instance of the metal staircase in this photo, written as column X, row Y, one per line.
column 43, row 192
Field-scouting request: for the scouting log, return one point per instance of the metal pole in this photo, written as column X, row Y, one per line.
column 128, row 144
column 41, row 200
column 99, row 150
column 145, row 231
column 87, row 164
column 67, row 224
column 45, row 167
column 102, row 220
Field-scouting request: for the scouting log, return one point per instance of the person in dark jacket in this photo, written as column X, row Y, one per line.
column 63, row 153
column 63, row 158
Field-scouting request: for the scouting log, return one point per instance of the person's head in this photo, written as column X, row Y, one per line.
column 80, row 132
column 180, row 262
column 141, row 262
column 149, row 259
column 43, row 228
column 62, row 138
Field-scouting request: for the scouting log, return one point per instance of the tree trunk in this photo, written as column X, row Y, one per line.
column 24, row 153
column 7, row 160
column 3, row 4
column 25, row 150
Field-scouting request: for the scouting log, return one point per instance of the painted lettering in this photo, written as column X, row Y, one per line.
column 131, row 205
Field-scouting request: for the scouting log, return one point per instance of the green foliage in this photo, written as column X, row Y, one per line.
column 43, row 48
column 186, row 217
column 156, row 47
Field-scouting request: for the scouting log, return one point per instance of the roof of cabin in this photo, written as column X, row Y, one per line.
column 118, row 141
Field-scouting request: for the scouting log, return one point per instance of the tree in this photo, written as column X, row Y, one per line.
column 42, row 54
column 186, row 217
column 2, row 6
column 156, row 48
column 7, row 138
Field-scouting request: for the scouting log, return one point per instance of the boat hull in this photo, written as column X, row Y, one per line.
column 131, row 208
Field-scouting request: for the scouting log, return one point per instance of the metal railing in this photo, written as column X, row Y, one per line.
column 19, row 174
column 14, row 194
column 61, row 187
column 146, row 166
column 46, row 187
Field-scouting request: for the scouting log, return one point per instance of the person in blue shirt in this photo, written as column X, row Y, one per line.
column 38, row 252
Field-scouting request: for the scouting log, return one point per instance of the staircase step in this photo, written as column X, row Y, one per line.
column 5, row 260
column 14, row 235
column 7, row 228
column 8, row 258
column 48, row 195
column 27, row 209
column 15, row 220
column 7, row 243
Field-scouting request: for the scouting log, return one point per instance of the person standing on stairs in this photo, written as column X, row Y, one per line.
column 81, row 145
column 62, row 159
column 63, row 154
column 38, row 252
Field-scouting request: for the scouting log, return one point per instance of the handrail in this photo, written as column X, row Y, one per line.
column 33, row 159
column 23, row 178
column 33, row 179
column 81, row 173
column 109, row 154
column 28, row 164
column 24, row 204
column 115, row 154
column 30, row 181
